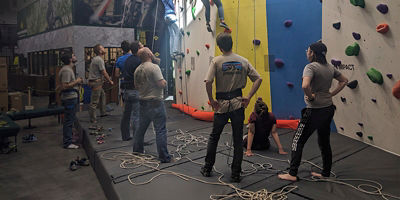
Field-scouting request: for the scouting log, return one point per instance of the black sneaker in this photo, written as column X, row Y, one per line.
column 223, row 25
column 73, row 166
column 208, row 27
column 235, row 179
column 205, row 172
column 82, row 162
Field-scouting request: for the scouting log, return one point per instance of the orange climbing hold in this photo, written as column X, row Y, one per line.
column 228, row 30
column 382, row 28
column 396, row 90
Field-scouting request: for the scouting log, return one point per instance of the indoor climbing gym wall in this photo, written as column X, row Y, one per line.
column 292, row 26
column 363, row 40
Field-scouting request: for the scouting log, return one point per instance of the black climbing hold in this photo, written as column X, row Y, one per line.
column 390, row 76
column 279, row 62
column 256, row 42
column 343, row 99
column 360, row 124
column 288, row 23
column 383, row 8
column 352, row 84
column 373, row 100
column 342, row 128
column 360, row 134
column 336, row 63
column 356, row 36
column 337, row 25
column 370, row 138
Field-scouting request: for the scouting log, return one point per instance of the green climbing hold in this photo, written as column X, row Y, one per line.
column 188, row 72
column 375, row 76
column 188, row 33
column 202, row 107
column 353, row 50
column 370, row 138
column 193, row 11
column 198, row 52
column 360, row 3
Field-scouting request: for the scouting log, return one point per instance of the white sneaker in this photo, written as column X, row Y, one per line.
column 72, row 146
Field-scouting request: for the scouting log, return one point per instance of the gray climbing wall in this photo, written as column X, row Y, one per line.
column 380, row 119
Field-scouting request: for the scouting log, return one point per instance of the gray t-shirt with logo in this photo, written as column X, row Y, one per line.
column 146, row 77
column 67, row 75
column 95, row 68
column 321, row 81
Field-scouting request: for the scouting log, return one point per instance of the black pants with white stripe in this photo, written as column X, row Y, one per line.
column 313, row 119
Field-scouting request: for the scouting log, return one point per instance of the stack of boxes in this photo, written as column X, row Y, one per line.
column 3, row 85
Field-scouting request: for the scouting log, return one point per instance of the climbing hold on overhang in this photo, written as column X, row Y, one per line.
column 207, row 46
column 188, row 72
column 180, row 92
column 375, row 76
column 390, row 76
column 382, row 28
column 180, row 77
column 336, row 63
column 373, row 100
column 256, row 42
column 288, row 23
column 279, row 62
column 336, row 25
column 343, row 99
column 197, row 52
column 360, row 124
column 187, row 51
column 342, row 128
column 352, row 84
column 360, row 3
column 356, row 36
column 353, row 50
column 359, row 134
column 202, row 108
column 188, row 33
column 370, row 138
column 396, row 90
column 383, row 8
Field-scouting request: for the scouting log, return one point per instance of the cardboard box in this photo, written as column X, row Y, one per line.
column 17, row 100
column 3, row 100
column 3, row 77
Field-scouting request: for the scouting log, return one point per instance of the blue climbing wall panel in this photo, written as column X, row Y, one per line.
column 289, row 44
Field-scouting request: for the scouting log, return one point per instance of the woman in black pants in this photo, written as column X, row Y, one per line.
column 317, row 80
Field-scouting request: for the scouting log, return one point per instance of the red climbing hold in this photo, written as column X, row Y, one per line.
column 207, row 46
column 396, row 90
column 382, row 28
column 187, row 51
column 180, row 92
column 289, row 84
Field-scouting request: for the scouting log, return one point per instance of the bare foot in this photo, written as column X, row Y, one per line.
column 316, row 174
column 287, row 177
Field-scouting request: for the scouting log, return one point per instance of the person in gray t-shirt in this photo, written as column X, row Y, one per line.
column 96, row 72
column 69, row 97
column 317, row 80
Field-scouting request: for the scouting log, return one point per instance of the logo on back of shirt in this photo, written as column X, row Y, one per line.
column 232, row 67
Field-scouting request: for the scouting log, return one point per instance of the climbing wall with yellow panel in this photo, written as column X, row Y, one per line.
column 248, row 21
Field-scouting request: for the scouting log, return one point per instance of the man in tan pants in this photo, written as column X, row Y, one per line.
column 97, row 71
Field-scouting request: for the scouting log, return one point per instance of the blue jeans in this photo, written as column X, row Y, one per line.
column 152, row 111
column 219, row 6
column 70, row 106
column 174, row 38
column 131, row 111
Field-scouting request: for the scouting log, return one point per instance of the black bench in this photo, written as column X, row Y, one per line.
column 8, row 128
column 36, row 113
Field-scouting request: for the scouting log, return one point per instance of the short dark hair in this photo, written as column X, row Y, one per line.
column 135, row 47
column 224, row 41
column 66, row 57
column 319, row 50
column 96, row 49
column 125, row 46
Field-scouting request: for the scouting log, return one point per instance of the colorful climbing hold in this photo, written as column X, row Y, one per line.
column 180, row 92
column 187, row 51
column 360, row 134
column 187, row 72
column 198, row 52
column 202, row 108
column 188, row 33
column 373, row 100
column 360, row 124
column 396, row 90
column 182, row 32
column 342, row 128
column 279, row 62
column 383, row 8
column 336, row 25
column 207, row 46
column 343, row 99
column 382, row 28
column 336, row 63
column 352, row 84
column 180, row 77
column 360, row 3
column 390, row 76
column 353, row 50
column 288, row 23
column 290, row 84
column 208, row 102
column 256, row 42
column 370, row 138
column 356, row 36
column 193, row 12
column 375, row 76
column 228, row 30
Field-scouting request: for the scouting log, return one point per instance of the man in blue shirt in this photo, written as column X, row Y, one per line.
column 125, row 46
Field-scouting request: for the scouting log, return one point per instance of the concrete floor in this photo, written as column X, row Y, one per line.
column 40, row 170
